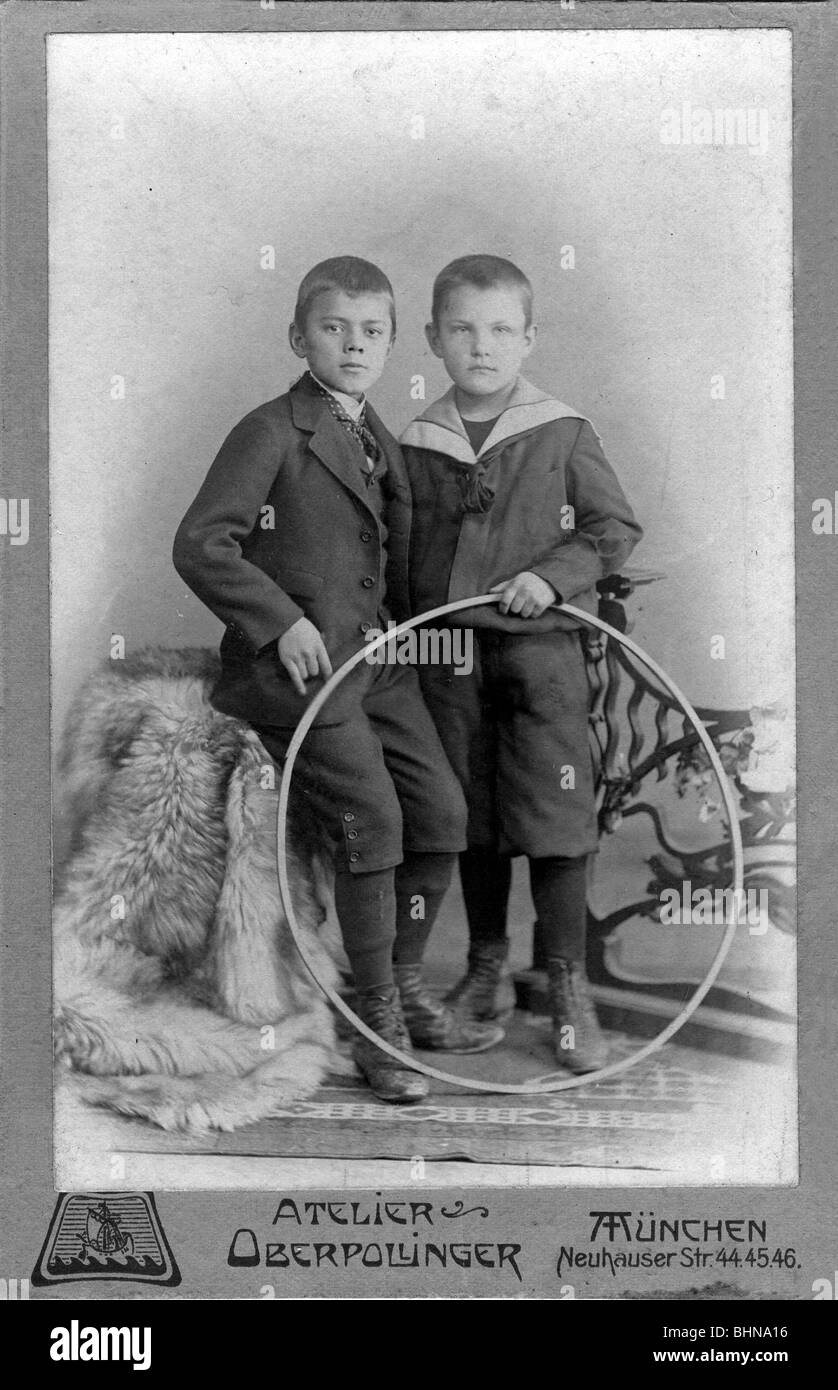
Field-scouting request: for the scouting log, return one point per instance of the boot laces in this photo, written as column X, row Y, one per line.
column 567, row 988
column 483, row 970
column 381, row 1013
column 484, row 967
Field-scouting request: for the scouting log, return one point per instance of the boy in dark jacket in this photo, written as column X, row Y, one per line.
column 297, row 541
column 512, row 494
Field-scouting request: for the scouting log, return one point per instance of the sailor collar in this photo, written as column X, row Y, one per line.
column 440, row 429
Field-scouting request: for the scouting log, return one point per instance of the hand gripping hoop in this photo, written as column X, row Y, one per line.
column 542, row 1086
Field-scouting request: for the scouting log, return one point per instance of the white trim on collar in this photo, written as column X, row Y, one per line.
column 440, row 429
column 352, row 407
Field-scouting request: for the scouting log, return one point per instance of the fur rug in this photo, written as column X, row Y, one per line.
column 179, row 991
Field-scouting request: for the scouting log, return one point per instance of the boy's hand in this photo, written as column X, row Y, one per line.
column 527, row 595
column 302, row 652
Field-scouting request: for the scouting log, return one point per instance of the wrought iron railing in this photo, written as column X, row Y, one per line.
column 639, row 738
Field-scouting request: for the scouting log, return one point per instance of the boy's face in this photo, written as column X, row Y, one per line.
column 482, row 337
column 346, row 340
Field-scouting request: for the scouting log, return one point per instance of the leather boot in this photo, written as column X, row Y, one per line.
column 485, row 992
column 431, row 1025
column 578, row 1043
column 389, row 1079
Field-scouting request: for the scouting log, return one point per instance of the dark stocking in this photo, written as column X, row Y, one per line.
column 366, row 910
column 560, row 899
column 421, row 883
column 486, row 877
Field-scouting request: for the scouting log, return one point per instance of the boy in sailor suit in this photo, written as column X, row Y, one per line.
column 512, row 494
column 297, row 541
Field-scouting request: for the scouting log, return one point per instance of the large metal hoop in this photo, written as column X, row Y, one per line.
column 544, row 1086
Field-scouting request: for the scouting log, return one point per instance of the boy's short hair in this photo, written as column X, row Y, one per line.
column 484, row 272
column 349, row 274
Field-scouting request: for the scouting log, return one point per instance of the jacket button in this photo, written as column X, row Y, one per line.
column 366, row 535
column 348, row 816
column 366, row 627
column 368, row 582
column 354, row 857
column 351, row 834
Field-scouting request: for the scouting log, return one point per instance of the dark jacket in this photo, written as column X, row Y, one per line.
column 540, row 460
column 324, row 558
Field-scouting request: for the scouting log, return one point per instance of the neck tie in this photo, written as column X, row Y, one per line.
column 359, row 429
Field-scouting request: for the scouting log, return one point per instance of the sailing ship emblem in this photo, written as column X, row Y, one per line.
column 103, row 1234
column 114, row 1235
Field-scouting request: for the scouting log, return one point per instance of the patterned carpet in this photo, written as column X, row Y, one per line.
column 688, row 1114
column 693, row 1116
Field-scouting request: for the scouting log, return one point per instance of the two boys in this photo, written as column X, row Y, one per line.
column 298, row 597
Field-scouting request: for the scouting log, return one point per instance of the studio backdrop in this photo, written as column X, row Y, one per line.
column 641, row 179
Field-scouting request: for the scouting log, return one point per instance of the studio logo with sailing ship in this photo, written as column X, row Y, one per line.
column 106, row 1236
column 104, row 1240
